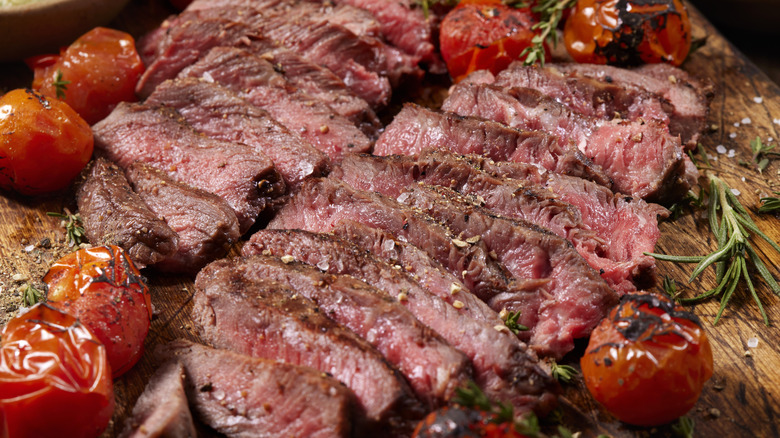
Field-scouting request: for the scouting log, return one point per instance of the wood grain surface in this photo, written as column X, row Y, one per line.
column 742, row 398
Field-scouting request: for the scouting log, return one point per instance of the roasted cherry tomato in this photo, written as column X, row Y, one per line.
column 103, row 288
column 94, row 74
column 484, row 34
column 628, row 32
column 55, row 380
column 462, row 422
column 44, row 144
column 647, row 362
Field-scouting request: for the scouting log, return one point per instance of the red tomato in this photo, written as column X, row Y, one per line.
column 44, row 144
column 484, row 34
column 628, row 32
column 99, row 70
column 55, row 380
column 647, row 361
column 103, row 288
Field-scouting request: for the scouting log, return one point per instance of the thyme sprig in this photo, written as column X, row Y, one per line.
column 563, row 373
column 31, row 295
column 511, row 321
column 762, row 153
column 60, row 85
column 684, row 427
column 732, row 228
column 770, row 204
column 550, row 14
column 74, row 228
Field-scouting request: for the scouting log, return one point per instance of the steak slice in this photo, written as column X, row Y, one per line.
column 242, row 396
column 219, row 113
column 641, row 158
column 255, row 79
column 432, row 367
column 205, row 223
column 428, row 272
column 267, row 319
column 159, row 137
column 505, row 371
column 571, row 298
column 689, row 97
column 162, row 410
column 115, row 215
column 416, row 128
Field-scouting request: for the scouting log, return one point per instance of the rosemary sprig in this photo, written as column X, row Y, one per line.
column 562, row 373
column 770, row 204
column 550, row 13
column 732, row 229
column 31, row 295
column 60, row 85
column 73, row 227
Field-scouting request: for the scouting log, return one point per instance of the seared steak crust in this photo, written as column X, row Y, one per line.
column 115, row 215
column 204, row 222
column 267, row 319
column 159, row 137
column 416, row 128
column 248, row 397
column 433, row 368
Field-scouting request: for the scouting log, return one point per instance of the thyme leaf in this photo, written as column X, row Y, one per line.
column 510, row 320
column 563, row 373
column 74, row 228
column 60, row 85
column 31, row 295
column 762, row 153
column 770, row 204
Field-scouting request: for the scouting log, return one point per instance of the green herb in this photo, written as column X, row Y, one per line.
column 761, row 153
column 700, row 158
column 670, row 287
column 73, row 227
column 684, row 427
column 472, row 397
column 60, row 85
column 510, row 320
column 732, row 229
column 550, row 13
column 31, row 295
column 770, row 204
column 563, row 373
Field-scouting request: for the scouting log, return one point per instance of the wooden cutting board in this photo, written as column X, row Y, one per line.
column 742, row 398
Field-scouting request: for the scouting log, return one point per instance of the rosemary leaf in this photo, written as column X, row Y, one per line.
column 770, row 204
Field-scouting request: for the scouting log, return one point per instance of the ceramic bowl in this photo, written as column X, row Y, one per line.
column 43, row 26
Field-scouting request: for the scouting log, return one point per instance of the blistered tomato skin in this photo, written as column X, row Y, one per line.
column 44, row 144
column 484, row 34
column 99, row 70
column 647, row 361
column 628, row 32
column 55, row 380
column 102, row 287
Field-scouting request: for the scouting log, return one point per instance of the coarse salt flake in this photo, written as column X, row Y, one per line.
column 758, row 99
column 776, row 121
column 29, row 248
column 746, row 121
column 721, row 149
column 736, row 124
column 752, row 342
column 736, row 192
column 731, row 153
column 733, row 135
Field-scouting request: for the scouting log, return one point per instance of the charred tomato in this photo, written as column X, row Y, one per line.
column 55, row 380
column 102, row 287
column 94, row 74
column 44, row 144
column 628, row 32
column 464, row 422
column 484, row 35
column 647, row 361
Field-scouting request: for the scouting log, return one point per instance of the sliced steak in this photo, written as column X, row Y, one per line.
column 641, row 158
column 242, row 396
column 267, row 319
column 428, row 272
column 571, row 298
column 587, row 96
column 431, row 366
column 689, row 97
column 255, row 79
column 504, row 371
column 159, row 137
column 115, row 215
column 219, row 113
column 205, row 223
column 162, row 409
column 416, row 128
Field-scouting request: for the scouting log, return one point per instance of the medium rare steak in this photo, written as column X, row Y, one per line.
column 159, row 137
column 416, row 128
column 162, row 409
column 115, row 215
column 689, row 97
column 204, row 222
column 256, row 80
column 219, row 113
column 431, row 366
column 505, row 371
column 242, row 396
column 267, row 319
column 571, row 298
column 641, row 158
